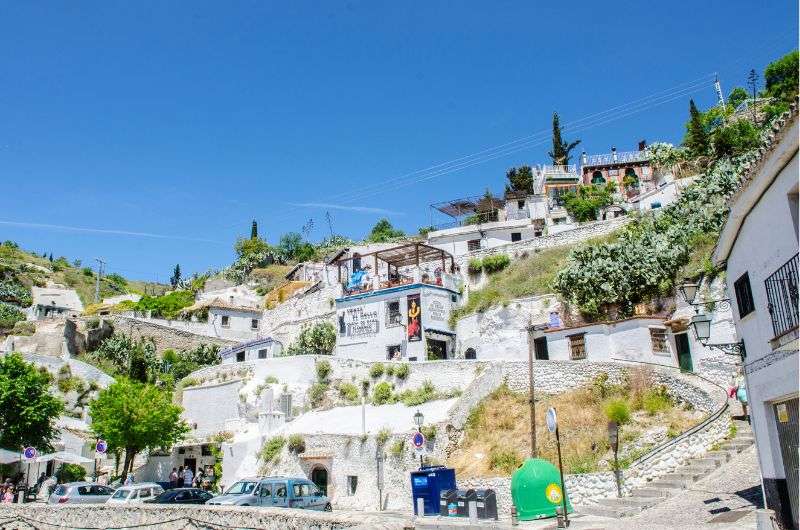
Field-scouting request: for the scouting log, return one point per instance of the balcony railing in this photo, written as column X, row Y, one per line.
column 624, row 157
column 782, row 297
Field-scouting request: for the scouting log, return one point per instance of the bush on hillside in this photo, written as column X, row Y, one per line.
column 166, row 306
column 401, row 371
column 318, row 339
column 382, row 393
column 323, row 370
column 495, row 263
column 376, row 370
column 271, row 449
column 9, row 316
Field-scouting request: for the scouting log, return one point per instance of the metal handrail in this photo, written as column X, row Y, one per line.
column 782, row 294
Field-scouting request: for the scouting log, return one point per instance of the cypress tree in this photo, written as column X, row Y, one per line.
column 560, row 155
column 697, row 139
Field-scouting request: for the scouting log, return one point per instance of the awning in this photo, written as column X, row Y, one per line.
column 9, row 457
column 64, row 456
column 440, row 332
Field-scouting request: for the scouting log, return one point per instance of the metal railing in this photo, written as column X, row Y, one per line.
column 616, row 158
column 782, row 297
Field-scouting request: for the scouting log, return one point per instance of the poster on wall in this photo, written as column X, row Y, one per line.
column 414, row 318
column 358, row 323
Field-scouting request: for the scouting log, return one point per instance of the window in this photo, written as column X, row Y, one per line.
column 262, row 354
column 516, row 236
column 744, row 296
column 183, row 496
column 470, row 354
column 520, row 204
column 537, row 233
column 473, row 244
column 266, row 490
column 393, row 316
column 280, row 490
column 352, row 484
column 393, row 352
column 342, row 327
column 226, row 321
column 240, row 356
column 301, row 490
column 205, row 450
column 254, row 323
column 145, row 493
column 794, row 204
column 597, row 178
column 658, row 340
column 577, row 346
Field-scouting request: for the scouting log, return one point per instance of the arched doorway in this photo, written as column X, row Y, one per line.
column 597, row 178
column 470, row 354
column 319, row 476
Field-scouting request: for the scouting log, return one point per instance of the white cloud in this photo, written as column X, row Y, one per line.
column 359, row 209
column 43, row 226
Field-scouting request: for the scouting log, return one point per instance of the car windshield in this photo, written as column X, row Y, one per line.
column 241, row 487
column 60, row 490
column 121, row 494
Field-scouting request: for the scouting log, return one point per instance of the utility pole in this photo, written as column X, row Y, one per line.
column 752, row 80
column 720, row 97
column 100, row 266
column 330, row 223
column 532, row 401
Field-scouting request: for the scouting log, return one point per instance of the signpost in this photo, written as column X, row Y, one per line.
column 100, row 448
column 418, row 441
column 29, row 454
column 613, row 439
column 379, row 471
column 552, row 426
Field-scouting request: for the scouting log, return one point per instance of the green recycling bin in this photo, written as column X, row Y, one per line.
column 536, row 490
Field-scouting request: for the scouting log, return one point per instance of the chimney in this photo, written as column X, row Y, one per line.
column 584, row 159
column 613, row 154
column 642, row 145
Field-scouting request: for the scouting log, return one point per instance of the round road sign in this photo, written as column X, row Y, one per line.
column 418, row 440
column 101, row 446
column 552, row 421
column 29, row 453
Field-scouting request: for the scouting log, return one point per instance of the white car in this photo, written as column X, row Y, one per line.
column 135, row 493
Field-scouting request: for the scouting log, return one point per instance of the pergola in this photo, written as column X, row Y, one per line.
column 410, row 254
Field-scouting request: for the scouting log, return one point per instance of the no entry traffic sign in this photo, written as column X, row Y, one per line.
column 418, row 440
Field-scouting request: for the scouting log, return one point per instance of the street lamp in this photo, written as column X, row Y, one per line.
column 701, row 323
column 688, row 290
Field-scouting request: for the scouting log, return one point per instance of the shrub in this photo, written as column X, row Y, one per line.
column 418, row 396
column 581, row 463
column 271, row 449
column 382, row 393
column 9, row 315
column 429, row 431
column 271, row 380
column 383, row 436
column 348, row 392
column 475, row 266
column 376, row 370
column 495, row 263
column 389, row 370
column 618, row 410
column 401, row 371
column 93, row 323
column 24, row 328
column 397, row 448
column 70, row 473
column 317, row 393
column 296, row 444
column 319, row 339
column 656, row 400
column 323, row 370
column 505, row 461
column 166, row 306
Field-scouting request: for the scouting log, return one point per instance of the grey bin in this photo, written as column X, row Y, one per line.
column 448, row 503
column 487, row 504
column 463, row 499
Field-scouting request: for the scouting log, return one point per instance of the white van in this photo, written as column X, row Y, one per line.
column 135, row 493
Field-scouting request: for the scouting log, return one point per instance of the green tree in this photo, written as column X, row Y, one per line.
column 384, row 231
column 697, row 138
column 27, row 409
column 132, row 358
column 735, row 138
column 781, row 78
column 585, row 204
column 560, row 155
column 736, row 97
column 319, row 338
column 176, row 276
column 135, row 417
column 520, row 180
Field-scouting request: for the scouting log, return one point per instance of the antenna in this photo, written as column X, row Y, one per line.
column 100, row 266
column 330, row 223
column 718, row 89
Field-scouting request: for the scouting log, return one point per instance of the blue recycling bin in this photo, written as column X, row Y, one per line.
column 428, row 484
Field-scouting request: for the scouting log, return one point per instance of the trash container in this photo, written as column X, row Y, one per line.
column 428, row 484
column 487, row 504
column 448, row 503
column 464, row 497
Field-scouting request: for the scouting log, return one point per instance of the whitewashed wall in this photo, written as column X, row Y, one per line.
column 211, row 406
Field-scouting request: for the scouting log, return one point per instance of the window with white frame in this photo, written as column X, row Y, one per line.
column 226, row 321
column 658, row 340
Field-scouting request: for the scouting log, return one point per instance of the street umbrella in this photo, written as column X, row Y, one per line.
column 63, row 456
column 9, row 457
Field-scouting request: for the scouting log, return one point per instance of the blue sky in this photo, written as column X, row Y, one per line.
column 163, row 128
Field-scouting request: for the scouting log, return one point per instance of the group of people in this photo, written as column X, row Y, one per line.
column 7, row 492
column 183, row 477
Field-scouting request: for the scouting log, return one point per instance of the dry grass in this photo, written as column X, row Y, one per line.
column 500, row 427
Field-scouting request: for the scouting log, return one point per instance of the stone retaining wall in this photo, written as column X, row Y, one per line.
column 176, row 517
column 165, row 336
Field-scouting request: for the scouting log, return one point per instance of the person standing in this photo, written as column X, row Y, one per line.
column 180, row 477
column 173, row 479
column 188, row 476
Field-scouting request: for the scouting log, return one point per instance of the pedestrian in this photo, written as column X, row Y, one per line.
column 8, row 494
column 181, row 474
column 198, row 480
column 741, row 391
column 129, row 479
column 188, row 476
column 173, row 479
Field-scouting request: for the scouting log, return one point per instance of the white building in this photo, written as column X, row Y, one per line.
column 237, row 295
column 249, row 351
column 400, row 309
column 51, row 302
column 759, row 245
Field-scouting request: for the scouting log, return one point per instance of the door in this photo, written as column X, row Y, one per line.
column 437, row 350
column 265, row 494
column 787, row 424
column 540, row 349
column 319, row 476
column 280, row 495
column 684, row 353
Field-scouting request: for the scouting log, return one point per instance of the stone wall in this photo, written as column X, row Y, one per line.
column 85, row 371
column 164, row 336
column 175, row 517
column 287, row 320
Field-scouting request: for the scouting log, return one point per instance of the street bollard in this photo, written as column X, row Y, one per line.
column 514, row 516
column 472, row 509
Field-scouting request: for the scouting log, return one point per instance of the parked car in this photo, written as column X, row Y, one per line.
column 182, row 496
column 287, row 492
column 240, row 494
column 135, row 493
column 80, row 493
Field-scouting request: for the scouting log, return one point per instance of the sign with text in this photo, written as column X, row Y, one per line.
column 414, row 319
column 360, row 323
column 437, row 310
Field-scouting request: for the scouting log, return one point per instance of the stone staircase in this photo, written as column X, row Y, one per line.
column 671, row 484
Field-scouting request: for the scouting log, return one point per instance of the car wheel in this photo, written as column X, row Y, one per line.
column 328, row 507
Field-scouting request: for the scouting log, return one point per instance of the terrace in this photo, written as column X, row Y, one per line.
column 614, row 157
column 412, row 263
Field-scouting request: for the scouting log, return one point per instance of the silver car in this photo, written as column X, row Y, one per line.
column 240, row 494
column 80, row 493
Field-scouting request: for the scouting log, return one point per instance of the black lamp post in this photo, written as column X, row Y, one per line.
column 419, row 419
column 701, row 322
